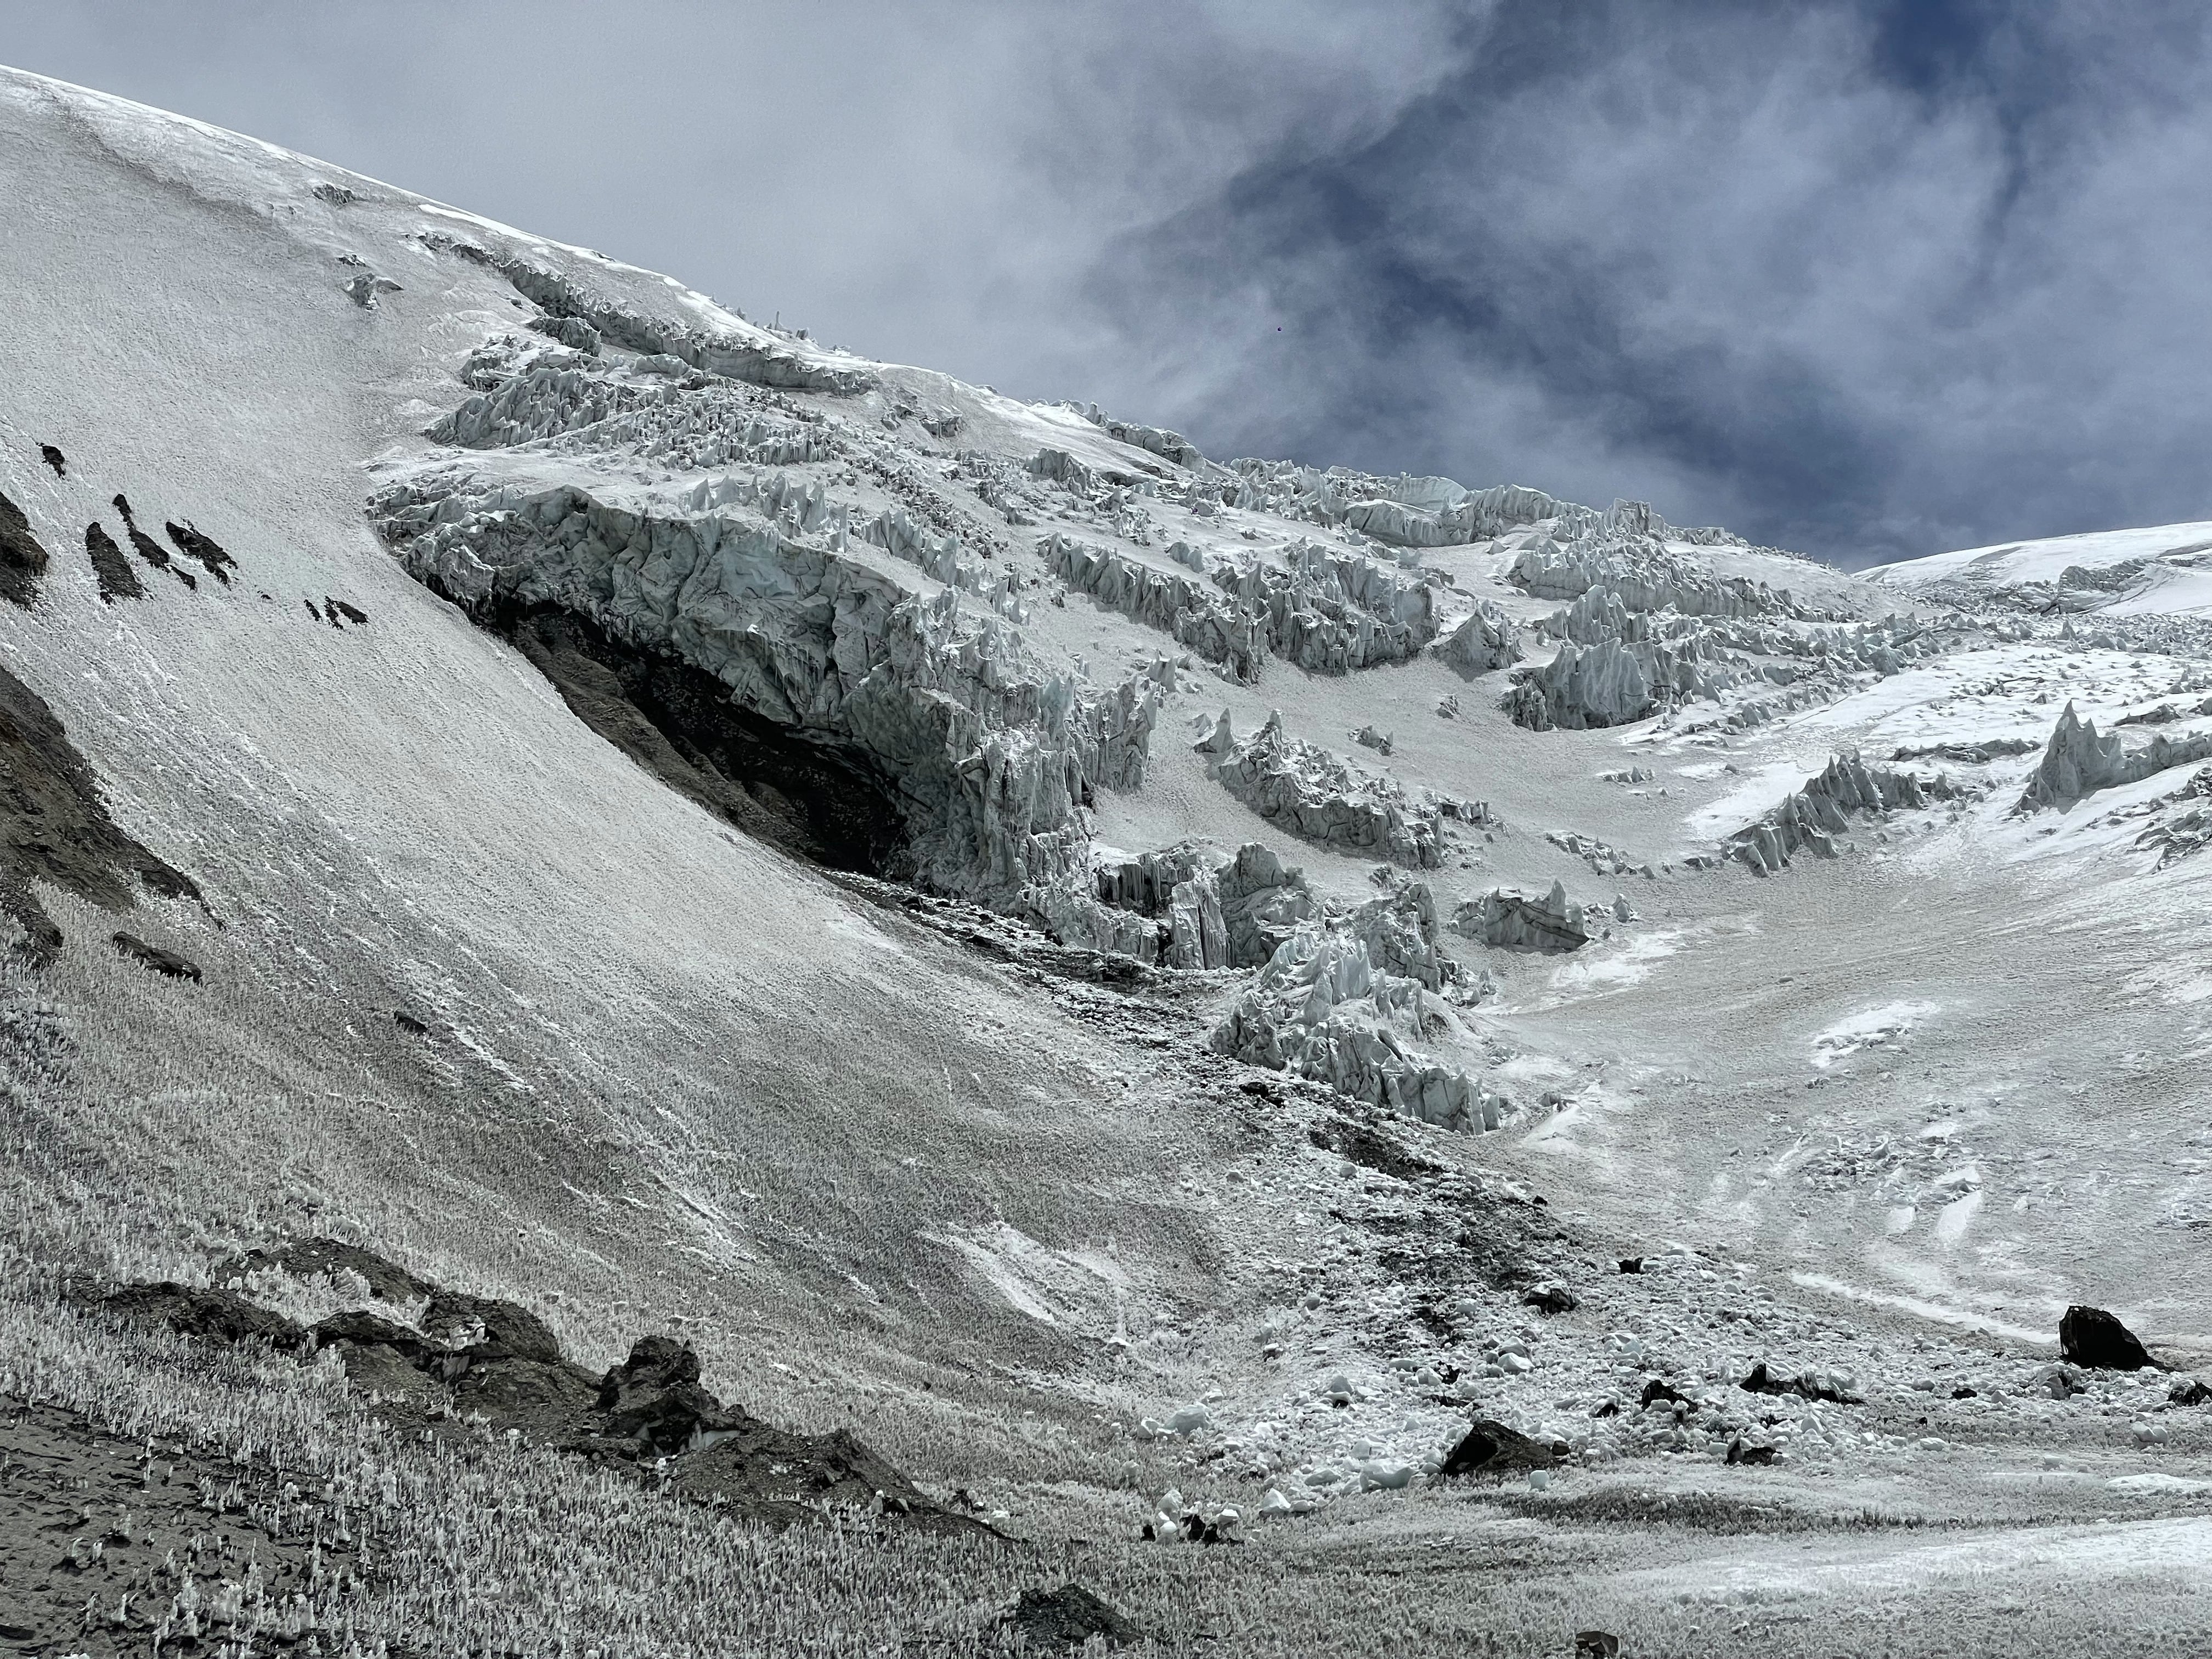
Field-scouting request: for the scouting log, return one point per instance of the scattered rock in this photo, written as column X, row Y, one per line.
column 118, row 581
column 54, row 459
column 1597, row 1645
column 1632, row 1264
column 23, row 560
column 1068, row 1617
column 2189, row 1391
column 1837, row 1387
column 336, row 195
column 158, row 958
column 1491, row 1447
column 497, row 1361
column 197, row 544
column 146, row 548
column 2095, row 1340
column 1657, row 1391
column 1553, row 1298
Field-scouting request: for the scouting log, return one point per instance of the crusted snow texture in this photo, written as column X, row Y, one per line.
column 1332, row 613
column 1514, row 922
column 2077, row 762
column 1431, row 511
column 991, row 756
column 1609, row 683
column 1314, row 794
column 1642, row 575
column 1168, row 446
column 1809, row 819
column 1326, row 1008
column 1192, row 613
column 1487, row 641
column 731, row 355
column 1203, row 911
column 571, row 402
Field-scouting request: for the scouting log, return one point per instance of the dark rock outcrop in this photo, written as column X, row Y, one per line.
column 23, row 560
column 2096, row 1341
column 191, row 1310
column 146, row 548
column 305, row 1257
column 197, row 545
column 1068, row 1617
column 1807, row 1385
column 1490, row 1448
column 158, row 957
column 480, row 1358
column 54, row 827
column 118, row 581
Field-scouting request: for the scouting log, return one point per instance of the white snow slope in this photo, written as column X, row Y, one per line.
column 1904, row 1065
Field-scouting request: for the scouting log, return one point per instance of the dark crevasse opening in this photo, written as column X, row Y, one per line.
column 814, row 800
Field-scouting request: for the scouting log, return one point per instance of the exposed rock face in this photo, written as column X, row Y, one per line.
column 1314, row 794
column 23, row 560
column 1491, row 1447
column 991, row 756
column 2095, row 1340
column 146, row 548
column 650, row 1413
column 1810, row 818
column 118, row 581
column 1514, row 922
column 197, row 544
column 2078, row 761
column 1487, row 641
column 53, row 826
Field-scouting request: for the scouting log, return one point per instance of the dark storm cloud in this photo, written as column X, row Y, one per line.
column 1867, row 277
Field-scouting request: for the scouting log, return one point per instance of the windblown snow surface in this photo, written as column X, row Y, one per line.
column 977, row 908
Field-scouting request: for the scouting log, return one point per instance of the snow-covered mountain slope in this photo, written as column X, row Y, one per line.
column 977, row 906
column 2158, row 571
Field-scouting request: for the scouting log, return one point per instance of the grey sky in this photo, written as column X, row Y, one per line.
column 1867, row 278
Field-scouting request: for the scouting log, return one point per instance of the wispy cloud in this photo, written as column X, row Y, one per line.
column 1869, row 277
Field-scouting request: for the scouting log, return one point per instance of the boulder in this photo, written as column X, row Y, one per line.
column 1489, row 1447
column 2095, row 1340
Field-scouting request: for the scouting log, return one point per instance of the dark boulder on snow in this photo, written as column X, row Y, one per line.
column 2096, row 1341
